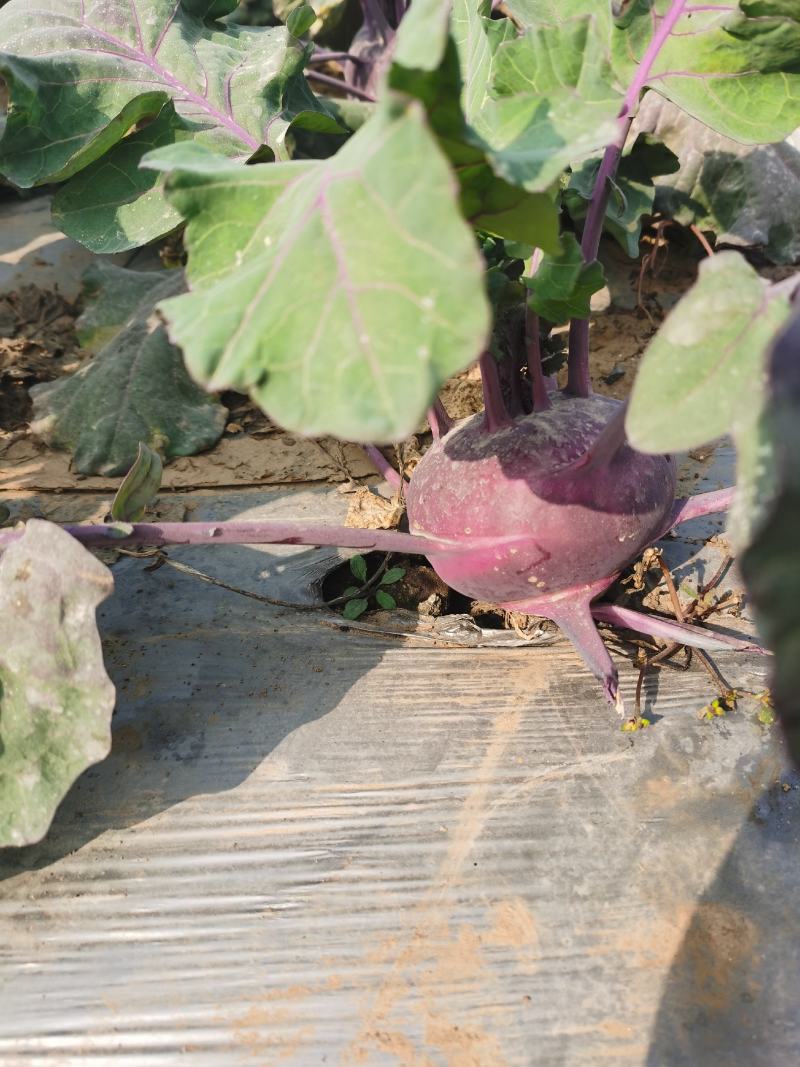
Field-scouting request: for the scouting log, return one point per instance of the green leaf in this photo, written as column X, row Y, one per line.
column 132, row 211
column 487, row 201
column 135, row 389
column 394, row 574
column 496, row 207
column 111, row 294
column 139, row 487
column 385, row 600
column 210, row 9
column 341, row 316
column 354, row 608
column 633, row 193
column 548, row 100
column 759, row 448
column 225, row 221
column 701, row 375
column 562, row 286
column 56, row 699
column 358, row 568
column 300, row 20
column 351, row 590
column 82, row 79
column 422, row 37
column 770, row 565
column 735, row 70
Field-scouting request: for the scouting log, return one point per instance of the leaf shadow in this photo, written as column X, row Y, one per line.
column 731, row 993
column 209, row 684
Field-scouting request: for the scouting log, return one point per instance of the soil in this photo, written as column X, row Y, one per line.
column 37, row 344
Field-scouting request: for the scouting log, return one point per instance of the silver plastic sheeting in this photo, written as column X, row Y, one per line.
column 319, row 847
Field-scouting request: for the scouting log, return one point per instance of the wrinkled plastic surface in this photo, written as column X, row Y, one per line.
column 314, row 847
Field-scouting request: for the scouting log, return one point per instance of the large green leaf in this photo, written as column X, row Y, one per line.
column 113, row 205
column 426, row 65
column 735, row 69
column 771, row 565
column 422, row 39
column 84, row 74
column 135, row 389
column 702, row 374
column 356, row 294
column 562, row 286
column 56, row 699
column 539, row 101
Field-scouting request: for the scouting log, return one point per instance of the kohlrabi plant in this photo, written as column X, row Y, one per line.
column 356, row 234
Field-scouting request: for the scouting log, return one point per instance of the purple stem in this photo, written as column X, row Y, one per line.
column 578, row 382
column 574, row 617
column 541, row 398
column 672, row 630
column 384, row 466
column 262, row 533
column 440, row 422
column 346, row 87
column 329, row 57
column 375, row 18
column 496, row 416
column 694, row 507
column 609, row 441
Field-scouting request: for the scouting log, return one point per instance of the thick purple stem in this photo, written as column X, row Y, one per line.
column 578, row 382
column 383, row 465
column 260, row 533
column 533, row 347
column 438, row 419
column 694, row 507
column 606, row 445
column 671, row 630
column 496, row 414
column 574, row 617
column 541, row 396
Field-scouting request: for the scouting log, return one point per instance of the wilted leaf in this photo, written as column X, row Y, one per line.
column 111, row 294
column 747, row 195
column 563, row 285
column 357, row 293
column 84, row 74
column 135, row 389
column 139, row 487
column 702, row 374
column 56, row 699
column 371, row 511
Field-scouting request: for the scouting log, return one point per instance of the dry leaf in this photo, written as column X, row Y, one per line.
column 368, row 511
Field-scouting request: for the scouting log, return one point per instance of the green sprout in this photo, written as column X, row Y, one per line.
column 357, row 597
